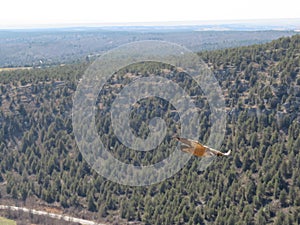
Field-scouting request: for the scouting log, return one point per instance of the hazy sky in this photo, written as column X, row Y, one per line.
column 59, row 12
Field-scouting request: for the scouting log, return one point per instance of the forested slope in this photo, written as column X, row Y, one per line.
column 259, row 183
column 42, row 48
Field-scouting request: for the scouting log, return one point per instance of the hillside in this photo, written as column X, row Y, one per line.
column 46, row 47
column 41, row 166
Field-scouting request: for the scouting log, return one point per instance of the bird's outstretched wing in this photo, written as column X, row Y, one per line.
column 217, row 152
column 197, row 149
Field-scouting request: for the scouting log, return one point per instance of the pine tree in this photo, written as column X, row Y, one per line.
column 91, row 204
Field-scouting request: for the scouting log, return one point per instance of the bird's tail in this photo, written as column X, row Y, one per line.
column 227, row 153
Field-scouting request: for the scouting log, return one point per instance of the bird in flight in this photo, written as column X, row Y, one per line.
column 197, row 149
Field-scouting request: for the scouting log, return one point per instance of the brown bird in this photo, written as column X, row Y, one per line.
column 197, row 149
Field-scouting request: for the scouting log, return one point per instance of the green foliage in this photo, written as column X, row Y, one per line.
column 39, row 157
column 5, row 221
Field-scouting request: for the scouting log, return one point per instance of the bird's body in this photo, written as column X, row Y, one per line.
column 197, row 149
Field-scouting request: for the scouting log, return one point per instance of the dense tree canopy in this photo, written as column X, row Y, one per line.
column 258, row 184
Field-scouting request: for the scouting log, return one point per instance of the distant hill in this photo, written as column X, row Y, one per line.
column 41, row 166
column 44, row 47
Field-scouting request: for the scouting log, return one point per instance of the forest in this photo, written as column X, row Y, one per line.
column 42, row 167
column 47, row 47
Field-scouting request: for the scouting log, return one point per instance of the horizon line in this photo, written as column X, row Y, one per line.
column 258, row 21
